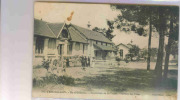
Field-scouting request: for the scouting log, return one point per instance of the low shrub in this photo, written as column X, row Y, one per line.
column 66, row 80
column 54, row 79
column 46, row 63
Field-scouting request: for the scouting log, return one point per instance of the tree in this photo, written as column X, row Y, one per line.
column 106, row 32
column 134, row 51
column 172, row 36
column 155, row 16
column 144, row 15
column 161, row 26
column 154, row 52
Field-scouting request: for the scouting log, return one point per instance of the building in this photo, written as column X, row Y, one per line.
column 53, row 40
column 123, row 50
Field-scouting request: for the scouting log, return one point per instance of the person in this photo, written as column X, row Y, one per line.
column 88, row 61
column 85, row 61
column 67, row 62
column 82, row 61
column 93, row 62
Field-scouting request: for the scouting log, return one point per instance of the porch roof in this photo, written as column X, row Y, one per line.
column 103, row 47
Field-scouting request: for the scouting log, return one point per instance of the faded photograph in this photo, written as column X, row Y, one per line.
column 105, row 51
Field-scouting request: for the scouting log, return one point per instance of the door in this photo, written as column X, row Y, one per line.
column 61, row 49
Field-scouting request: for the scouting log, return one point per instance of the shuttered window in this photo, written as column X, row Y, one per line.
column 52, row 43
column 39, row 45
column 77, row 46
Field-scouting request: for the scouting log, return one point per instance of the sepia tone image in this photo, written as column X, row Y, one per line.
column 105, row 51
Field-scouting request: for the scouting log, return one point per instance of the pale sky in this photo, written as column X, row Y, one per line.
column 96, row 14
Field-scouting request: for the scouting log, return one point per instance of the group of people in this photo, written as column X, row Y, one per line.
column 85, row 61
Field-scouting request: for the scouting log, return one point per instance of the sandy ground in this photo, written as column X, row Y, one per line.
column 102, row 78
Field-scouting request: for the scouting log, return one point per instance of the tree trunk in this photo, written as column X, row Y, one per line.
column 170, row 40
column 159, row 62
column 149, row 44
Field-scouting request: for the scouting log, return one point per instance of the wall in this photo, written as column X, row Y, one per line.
column 47, row 52
column 125, row 50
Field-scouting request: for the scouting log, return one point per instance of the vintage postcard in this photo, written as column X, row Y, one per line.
column 105, row 51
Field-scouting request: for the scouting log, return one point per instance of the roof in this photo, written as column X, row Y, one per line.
column 56, row 27
column 76, row 36
column 92, row 34
column 102, row 47
column 127, row 46
column 41, row 28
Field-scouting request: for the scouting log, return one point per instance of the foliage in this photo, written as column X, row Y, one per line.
column 136, row 17
column 143, row 53
column 134, row 51
column 54, row 79
column 45, row 63
column 154, row 52
column 174, row 48
column 106, row 32
column 118, row 59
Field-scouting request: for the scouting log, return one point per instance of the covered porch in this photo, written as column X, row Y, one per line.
column 103, row 52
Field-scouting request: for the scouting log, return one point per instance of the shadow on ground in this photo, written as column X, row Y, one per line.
column 122, row 80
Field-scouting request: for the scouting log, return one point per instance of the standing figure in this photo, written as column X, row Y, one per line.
column 93, row 62
column 88, row 61
column 67, row 62
column 85, row 60
column 82, row 61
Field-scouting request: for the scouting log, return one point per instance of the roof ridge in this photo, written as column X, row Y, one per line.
column 50, row 29
column 61, row 30
column 123, row 44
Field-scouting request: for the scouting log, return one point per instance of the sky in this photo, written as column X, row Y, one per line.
column 96, row 14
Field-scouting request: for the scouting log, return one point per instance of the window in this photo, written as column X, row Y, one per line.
column 101, row 43
column 77, row 46
column 96, row 42
column 121, row 53
column 69, row 49
column 84, row 46
column 39, row 45
column 64, row 33
column 52, row 43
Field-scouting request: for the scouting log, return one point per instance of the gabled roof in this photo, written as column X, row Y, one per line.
column 56, row 27
column 41, row 28
column 127, row 46
column 77, row 34
column 89, row 34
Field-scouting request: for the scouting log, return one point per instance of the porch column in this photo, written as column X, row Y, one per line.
column 45, row 52
column 65, row 48
column 73, row 48
column 56, row 51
